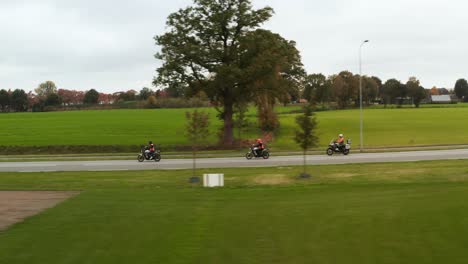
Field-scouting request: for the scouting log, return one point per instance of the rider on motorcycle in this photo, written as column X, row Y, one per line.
column 150, row 149
column 340, row 142
column 258, row 147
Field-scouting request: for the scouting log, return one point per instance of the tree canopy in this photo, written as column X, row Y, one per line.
column 317, row 88
column 415, row 91
column 91, row 97
column 19, row 100
column 461, row 89
column 46, row 88
column 4, row 99
column 216, row 46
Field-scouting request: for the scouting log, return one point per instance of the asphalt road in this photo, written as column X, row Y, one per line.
column 172, row 164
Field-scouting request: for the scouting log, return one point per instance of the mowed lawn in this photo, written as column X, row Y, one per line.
column 374, row 213
column 382, row 127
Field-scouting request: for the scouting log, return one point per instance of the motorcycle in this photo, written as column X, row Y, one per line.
column 145, row 155
column 335, row 148
column 265, row 154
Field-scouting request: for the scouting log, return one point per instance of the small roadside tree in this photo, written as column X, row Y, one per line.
column 306, row 136
column 197, row 130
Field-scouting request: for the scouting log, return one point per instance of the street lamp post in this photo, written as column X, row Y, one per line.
column 360, row 95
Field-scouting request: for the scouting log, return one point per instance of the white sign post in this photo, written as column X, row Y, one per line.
column 213, row 180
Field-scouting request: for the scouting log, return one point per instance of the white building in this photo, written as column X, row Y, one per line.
column 441, row 99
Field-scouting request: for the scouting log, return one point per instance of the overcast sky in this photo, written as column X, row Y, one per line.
column 108, row 45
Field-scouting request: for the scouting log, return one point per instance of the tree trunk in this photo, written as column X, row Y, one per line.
column 305, row 161
column 194, row 159
column 228, row 134
column 239, row 134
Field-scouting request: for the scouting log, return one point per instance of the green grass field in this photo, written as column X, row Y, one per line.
column 382, row 127
column 374, row 213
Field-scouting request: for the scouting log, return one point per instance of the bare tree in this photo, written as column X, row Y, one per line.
column 197, row 130
column 306, row 136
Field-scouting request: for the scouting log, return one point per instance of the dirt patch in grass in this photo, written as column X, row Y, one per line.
column 272, row 179
column 15, row 206
column 343, row 175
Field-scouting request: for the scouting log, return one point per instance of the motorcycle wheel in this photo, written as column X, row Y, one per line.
column 157, row 157
column 266, row 155
column 249, row 155
column 141, row 158
column 346, row 152
column 329, row 152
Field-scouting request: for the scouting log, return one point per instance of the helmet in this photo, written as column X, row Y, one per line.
column 341, row 135
column 259, row 140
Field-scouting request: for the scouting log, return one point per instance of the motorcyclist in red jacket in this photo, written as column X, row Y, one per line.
column 151, row 149
column 258, row 147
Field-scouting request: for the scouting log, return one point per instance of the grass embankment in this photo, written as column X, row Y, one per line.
column 124, row 130
column 374, row 213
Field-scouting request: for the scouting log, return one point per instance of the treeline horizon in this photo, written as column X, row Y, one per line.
column 340, row 89
column 343, row 89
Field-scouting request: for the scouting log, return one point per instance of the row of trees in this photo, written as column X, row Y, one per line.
column 343, row 89
column 16, row 100
column 47, row 96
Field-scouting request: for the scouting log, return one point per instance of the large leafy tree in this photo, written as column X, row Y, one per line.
column 19, row 100
column 339, row 89
column 202, row 50
column 415, row 91
column 272, row 71
column 390, row 91
column 317, row 88
column 345, row 87
column 4, row 100
column 401, row 93
column 378, row 81
column 370, row 89
column 461, row 89
column 71, row 97
column 46, row 88
column 52, row 99
column 91, row 97
column 145, row 93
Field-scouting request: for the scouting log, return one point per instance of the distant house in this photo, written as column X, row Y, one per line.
column 441, row 99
